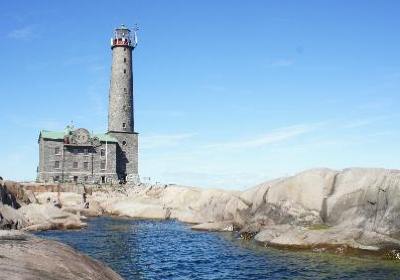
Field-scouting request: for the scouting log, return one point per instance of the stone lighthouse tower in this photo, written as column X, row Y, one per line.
column 120, row 110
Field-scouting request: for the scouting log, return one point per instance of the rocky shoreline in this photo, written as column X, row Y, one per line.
column 355, row 209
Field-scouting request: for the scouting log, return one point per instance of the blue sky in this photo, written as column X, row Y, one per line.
column 227, row 93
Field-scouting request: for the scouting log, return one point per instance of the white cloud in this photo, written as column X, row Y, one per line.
column 364, row 122
column 155, row 141
column 27, row 33
column 159, row 113
column 38, row 124
column 282, row 63
column 277, row 135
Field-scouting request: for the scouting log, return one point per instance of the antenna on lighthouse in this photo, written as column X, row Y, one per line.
column 135, row 39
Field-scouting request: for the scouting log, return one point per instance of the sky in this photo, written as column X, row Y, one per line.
column 228, row 94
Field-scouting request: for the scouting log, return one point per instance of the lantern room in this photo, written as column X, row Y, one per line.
column 122, row 37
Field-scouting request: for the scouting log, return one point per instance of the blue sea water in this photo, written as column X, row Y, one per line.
column 148, row 249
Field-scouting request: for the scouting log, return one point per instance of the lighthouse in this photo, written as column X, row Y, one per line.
column 120, row 109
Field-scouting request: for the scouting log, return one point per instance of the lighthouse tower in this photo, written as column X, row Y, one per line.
column 120, row 110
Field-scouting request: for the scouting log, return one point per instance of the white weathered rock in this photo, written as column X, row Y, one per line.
column 351, row 200
column 47, row 216
column 217, row 226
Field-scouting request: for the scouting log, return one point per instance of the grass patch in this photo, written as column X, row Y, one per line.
column 318, row 227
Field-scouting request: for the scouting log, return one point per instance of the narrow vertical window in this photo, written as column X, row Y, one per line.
column 124, row 71
column 124, row 59
column 86, row 165
column 86, row 151
column 125, row 90
column 57, row 151
column 75, row 151
column 102, row 152
column 56, row 164
column 75, row 165
column 124, row 125
column 103, row 165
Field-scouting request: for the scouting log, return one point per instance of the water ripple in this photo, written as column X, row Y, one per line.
column 146, row 249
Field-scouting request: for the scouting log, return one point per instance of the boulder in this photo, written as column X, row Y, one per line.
column 10, row 218
column 24, row 256
column 217, row 226
column 47, row 216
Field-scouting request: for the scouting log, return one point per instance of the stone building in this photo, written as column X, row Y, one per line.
column 76, row 155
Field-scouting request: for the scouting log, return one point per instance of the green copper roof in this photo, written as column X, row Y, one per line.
column 53, row 135
column 105, row 138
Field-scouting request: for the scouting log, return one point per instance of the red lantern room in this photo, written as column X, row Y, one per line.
column 122, row 37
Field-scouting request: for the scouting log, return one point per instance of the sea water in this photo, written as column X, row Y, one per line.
column 149, row 249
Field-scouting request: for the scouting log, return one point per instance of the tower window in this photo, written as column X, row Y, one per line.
column 102, row 152
column 102, row 165
column 86, row 165
column 124, row 71
column 124, row 59
column 75, row 165
column 86, row 151
column 75, row 151
column 123, row 143
column 124, row 49
column 124, row 125
column 124, row 108
column 57, row 151
column 56, row 164
column 125, row 90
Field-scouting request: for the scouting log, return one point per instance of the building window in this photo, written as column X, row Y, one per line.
column 75, row 179
column 125, row 90
column 86, row 151
column 56, row 164
column 124, row 108
column 86, row 165
column 102, row 165
column 76, row 151
column 102, row 152
column 86, row 178
column 124, row 125
column 124, row 71
column 124, row 59
column 56, row 178
column 57, row 151
column 123, row 143
column 75, row 165
column 124, row 49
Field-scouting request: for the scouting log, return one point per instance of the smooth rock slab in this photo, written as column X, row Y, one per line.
column 23, row 256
